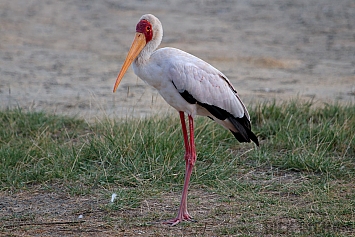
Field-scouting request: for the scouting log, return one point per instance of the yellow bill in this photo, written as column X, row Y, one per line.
column 137, row 45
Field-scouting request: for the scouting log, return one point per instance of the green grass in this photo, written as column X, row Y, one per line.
column 300, row 180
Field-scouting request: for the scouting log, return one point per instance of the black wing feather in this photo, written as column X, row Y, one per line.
column 242, row 125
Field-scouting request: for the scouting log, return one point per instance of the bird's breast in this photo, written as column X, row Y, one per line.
column 151, row 73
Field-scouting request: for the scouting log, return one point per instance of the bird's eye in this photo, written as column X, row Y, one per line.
column 148, row 28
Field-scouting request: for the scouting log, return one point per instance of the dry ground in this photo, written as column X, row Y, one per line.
column 63, row 56
column 51, row 211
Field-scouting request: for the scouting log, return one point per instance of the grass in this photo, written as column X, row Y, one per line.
column 299, row 182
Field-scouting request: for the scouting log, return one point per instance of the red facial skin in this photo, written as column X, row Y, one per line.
column 145, row 28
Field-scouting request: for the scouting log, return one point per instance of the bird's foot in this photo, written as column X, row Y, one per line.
column 178, row 219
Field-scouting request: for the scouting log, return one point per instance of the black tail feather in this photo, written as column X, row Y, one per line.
column 242, row 125
column 243, row 133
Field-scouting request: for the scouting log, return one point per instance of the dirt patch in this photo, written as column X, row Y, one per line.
column 265, row 211
column 64, row 57
column 39, row 212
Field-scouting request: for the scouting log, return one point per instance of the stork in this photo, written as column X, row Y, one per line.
column 191, row 86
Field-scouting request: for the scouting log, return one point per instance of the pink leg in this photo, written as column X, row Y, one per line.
column 184, row 132
column 190, row 158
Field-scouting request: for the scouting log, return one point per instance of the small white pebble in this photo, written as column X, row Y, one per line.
column 80, row 216
column 114, row 195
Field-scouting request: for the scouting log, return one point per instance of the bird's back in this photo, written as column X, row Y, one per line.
column 201, row 80
column 201, row 87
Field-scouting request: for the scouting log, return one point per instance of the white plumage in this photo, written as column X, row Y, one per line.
column 188, row 73
column 188, row 84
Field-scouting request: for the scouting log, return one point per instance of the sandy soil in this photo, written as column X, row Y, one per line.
column 63, row 56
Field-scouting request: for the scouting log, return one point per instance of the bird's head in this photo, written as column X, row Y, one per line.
column 149, row 33
column 151, row 27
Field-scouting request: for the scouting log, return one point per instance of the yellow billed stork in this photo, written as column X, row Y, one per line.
column 191, row 86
